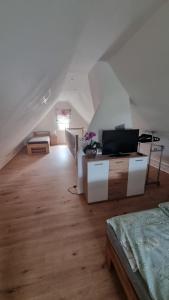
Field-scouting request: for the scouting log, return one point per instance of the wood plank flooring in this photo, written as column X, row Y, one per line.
column 52, row 243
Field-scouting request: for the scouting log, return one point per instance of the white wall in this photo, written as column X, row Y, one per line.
column 49, row 122
column 142, row 124
column 114, row 107
column 142, row 67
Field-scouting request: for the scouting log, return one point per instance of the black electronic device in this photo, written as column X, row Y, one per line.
column 119, row 142
column 148, row 138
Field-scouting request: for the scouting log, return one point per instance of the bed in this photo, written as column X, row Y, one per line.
column 138, row 248
column 39, row 143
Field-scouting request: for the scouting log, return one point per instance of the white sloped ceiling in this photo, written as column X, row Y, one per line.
column 110, row 23
column 37, row 41
column 40, row 41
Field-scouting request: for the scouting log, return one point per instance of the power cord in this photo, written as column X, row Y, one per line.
column 70, row 189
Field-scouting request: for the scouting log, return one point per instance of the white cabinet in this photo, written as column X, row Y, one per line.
column 137, row 175
column 114, row 178
column 97, row 180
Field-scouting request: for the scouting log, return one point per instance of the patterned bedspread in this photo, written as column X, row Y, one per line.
column 145, row 240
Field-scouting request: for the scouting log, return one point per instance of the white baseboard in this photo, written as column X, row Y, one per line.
column 164, row 165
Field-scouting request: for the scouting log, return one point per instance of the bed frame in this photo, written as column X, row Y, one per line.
column 113, row 260
column 39, row 148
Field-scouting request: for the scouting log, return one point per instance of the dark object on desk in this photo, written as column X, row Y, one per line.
column 91, row 153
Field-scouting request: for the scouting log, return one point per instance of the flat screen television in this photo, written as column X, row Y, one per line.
column 119, row 141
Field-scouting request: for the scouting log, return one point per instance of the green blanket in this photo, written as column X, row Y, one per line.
column 145, row 240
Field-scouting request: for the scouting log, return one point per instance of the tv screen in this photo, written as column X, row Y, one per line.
column 120, row 141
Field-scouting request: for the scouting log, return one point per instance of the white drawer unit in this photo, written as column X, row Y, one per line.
column 97, row 180
column 137, row 175
column 114, row 178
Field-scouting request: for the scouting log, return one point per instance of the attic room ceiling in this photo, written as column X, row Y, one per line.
column 109, row 23
column 40, row 43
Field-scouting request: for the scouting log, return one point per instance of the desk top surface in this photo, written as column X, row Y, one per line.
column 109, row 157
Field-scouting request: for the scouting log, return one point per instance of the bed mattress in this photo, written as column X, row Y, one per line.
column 39, row 140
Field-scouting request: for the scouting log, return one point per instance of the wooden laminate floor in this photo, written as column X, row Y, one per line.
column 52, row 243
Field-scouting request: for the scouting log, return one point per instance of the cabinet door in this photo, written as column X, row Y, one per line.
column 97, row 180
column 118, row 174
column 137, row 176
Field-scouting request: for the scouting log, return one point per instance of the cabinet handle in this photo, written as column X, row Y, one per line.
column 138, row 160
column 98, row 164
